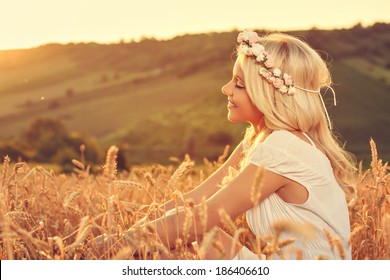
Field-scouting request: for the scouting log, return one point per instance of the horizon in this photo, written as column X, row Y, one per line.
column 29, row 24
column 142, row 37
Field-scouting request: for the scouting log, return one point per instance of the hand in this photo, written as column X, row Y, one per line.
column 104, row 246
column 107, row 246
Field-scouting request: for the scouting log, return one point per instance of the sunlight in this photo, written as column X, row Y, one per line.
column 26, row 23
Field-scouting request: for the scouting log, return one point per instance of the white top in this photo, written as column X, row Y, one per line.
column 286, row 154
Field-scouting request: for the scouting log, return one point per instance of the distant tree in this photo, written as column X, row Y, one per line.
column 14, row 150
column 104, row 78
column 191, row 144
column 28, row 103
column 74, row 140
column 45, row 136
column 380, row 26
column 64, row 157
column 220, row 138
column 70, row 92
column 358, row 26
column 41, row 127
column 123, row 162
column 52, row 142
column 116, row 76
column 147, row 38
column 54, row 104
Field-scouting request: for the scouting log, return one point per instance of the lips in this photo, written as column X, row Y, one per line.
column 231, row 104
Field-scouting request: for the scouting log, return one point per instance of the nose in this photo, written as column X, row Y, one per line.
column 226, row 89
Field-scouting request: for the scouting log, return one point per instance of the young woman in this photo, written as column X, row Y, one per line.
column 276, row 87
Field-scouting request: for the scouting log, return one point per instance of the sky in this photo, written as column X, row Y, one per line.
column 30, row 23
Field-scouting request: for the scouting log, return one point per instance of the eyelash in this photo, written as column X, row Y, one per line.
column 238, row 81
column 239, row 87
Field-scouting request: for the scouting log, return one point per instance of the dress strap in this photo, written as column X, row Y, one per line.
column 308, row 138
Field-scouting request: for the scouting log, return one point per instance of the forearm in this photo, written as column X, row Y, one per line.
column 170, row 217
column 186, row 223
column 234, row 199
column 210, row 186
column 204, row 190
column 183, row 223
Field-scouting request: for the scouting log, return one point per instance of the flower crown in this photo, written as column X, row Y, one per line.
column 249, row 45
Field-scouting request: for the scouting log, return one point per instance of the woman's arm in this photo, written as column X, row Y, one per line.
column 235, row 199
column 211, row 185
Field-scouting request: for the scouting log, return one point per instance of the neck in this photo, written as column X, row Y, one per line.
column 258, row 126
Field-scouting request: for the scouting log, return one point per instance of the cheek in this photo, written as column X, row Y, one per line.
column 251, row 110
column 249, row 106
column 254, row 112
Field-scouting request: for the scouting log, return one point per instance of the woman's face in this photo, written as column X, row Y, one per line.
column 240, row 107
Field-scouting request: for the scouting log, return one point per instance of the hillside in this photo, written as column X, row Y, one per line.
column 162, row 98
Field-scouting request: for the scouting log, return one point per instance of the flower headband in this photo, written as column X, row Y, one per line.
column 283, row 82
column 249, row 45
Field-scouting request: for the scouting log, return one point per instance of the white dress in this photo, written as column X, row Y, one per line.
column 286, row 154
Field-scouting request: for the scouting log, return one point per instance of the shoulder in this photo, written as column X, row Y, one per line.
column 283, row 141
column 273, row 151
column 279, row 139
column 283, row 150
column 286, row 154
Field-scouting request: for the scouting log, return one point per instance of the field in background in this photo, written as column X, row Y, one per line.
column 45, row 215
column 162, row 98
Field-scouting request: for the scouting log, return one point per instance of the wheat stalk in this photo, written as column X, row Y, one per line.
column 62, row 202
column 207, row 242
column 4, row 176
column 225, row 154
column 184, row 167
column 110, row 168
column 227, row 221
column 256, row 186
column 203, row 215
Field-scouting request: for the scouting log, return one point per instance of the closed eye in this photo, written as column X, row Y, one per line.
column 239, row 83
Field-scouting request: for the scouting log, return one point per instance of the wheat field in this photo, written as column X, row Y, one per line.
column 58, row 216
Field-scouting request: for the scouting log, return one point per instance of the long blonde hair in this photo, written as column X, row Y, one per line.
column 301, row 112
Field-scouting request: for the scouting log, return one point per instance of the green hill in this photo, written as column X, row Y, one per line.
column 163, row 98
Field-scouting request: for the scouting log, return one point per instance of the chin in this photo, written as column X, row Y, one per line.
column 233, row 120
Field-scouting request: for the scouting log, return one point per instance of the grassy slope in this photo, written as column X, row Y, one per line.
column 166, row 96
column 362, row 110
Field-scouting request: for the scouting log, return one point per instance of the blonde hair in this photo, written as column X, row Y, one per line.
column 301, row 112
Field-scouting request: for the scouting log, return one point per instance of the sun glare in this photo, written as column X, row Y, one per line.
column 25, row 23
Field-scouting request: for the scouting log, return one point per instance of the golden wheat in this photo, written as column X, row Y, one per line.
column 44, row 215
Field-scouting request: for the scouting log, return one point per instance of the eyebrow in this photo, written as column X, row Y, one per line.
column 236, row 72
column 239, row 78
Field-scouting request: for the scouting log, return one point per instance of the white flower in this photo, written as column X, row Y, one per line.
column 262, row 70
column 260, row 57
column 283, row 89
column 248, row 34
column 277, row 72
column 245, row 36
column 291, row 90
column 257, row 49
column 287, row 79
column 244, row 48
